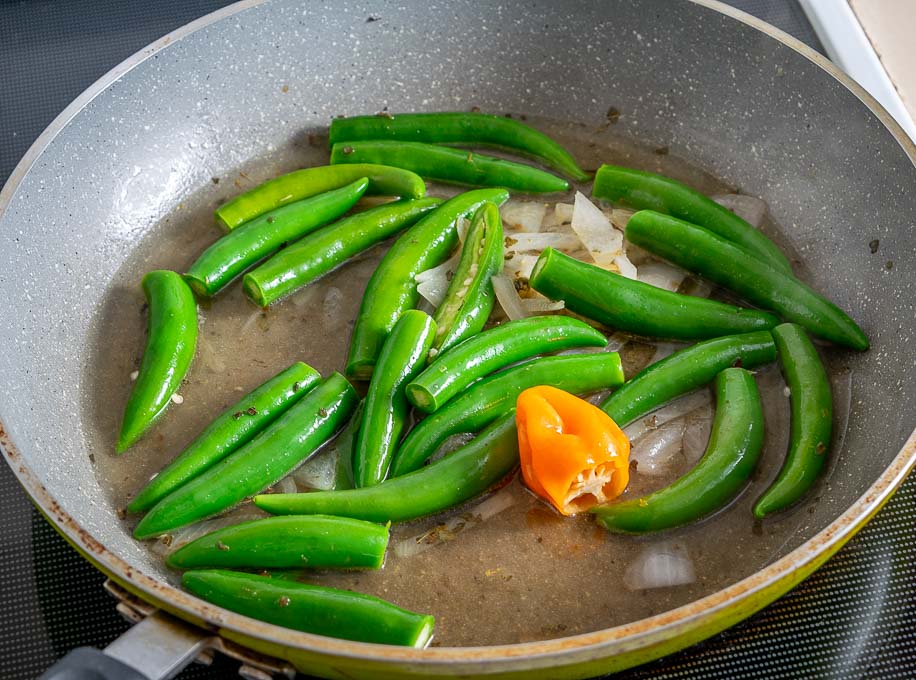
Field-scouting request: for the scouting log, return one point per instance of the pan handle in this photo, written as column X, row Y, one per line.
column 157, row 648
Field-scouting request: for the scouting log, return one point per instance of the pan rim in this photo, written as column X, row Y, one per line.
column 628, row 637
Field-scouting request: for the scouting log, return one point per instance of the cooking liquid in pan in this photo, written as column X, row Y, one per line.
column 524, row 574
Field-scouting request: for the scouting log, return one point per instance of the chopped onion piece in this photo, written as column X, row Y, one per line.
column 524, row 242
column 170, row 542
column 449, row 530
column 526, row 216
column 675, row 409
column 665, row 349
column 286, row 485
column 698, row 424
column 318, row 472
column 305, row 296
column 463, row 225
column 593, row 228
column 661, row 564
column 662, row 275
column 541, row 304
column 333, row 314
column 563, row 212
column 749, row 208
column 432, row 284
column 519, row 266
column 508, row 297
column 209, row 357
column 250, row 321
column 658, row 452
column 625, row 267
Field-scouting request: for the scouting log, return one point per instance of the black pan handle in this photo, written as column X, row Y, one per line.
column 89, row 663
column 157, row 648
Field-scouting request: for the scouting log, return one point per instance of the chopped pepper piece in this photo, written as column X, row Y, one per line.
column 572, row 453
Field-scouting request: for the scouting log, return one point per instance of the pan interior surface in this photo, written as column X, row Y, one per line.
column 242, row 99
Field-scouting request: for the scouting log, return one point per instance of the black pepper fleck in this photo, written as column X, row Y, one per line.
column 613, row 115
column 873, row 245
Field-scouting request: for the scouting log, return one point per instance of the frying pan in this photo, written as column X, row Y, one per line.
column 726, row 92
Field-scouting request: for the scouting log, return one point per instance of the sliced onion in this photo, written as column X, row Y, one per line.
column 286, row 485
column 463, row 225
column 526, row 216
column 625, row 267
column 675, row 409
column 664, row 350
column 661, row 564
column 749, row 208
column 539, row 304
column 526, row 243
column 594, row 229
column 318, row 472
column 170, row 542
column 432, row 284
column 661, row 275
column 304, row 296
column 519, row 266
column 508, row 297
column 658, row 452
column 698, row 424
column 332, row 307
column 563, row 212
column 209, row 357
column 449, row 530
column 250, row 321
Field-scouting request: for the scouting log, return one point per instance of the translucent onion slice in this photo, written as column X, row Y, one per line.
column 563, row 212
column 663, row 564
column 594, row 229
column 674, row 409
column 658, row 452
column 661, row 275
column 749, row 208
column 508, row 297
column 525, row 216
column 525, row 243
column 432, row 284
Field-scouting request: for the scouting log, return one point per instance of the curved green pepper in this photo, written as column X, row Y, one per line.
column 171, row 339
column 315, row 255
column 385, row 414
column 314, row 609
column 702, row 252
column 637, row 307
column 458, row 477
column 647, row 191
column 723, row 471
column 313, row 542
column 235, row 252
column 453, row 166
column 234, row 427
column 495, row 348
column 459, row 128
column 687, row 370
column 344, row 443
column 266, row 459
column 392, row 290
column 491, row 397
column 812, row 420
column 299, row 184
column 469, row 298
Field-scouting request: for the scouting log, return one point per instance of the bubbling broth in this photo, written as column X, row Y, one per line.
column 523, row 574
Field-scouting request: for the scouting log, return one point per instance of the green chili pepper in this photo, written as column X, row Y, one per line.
column 469, row 298
column 385, row 415
column 314, row 609
column 171, row 339
column 648, row 191
column 702, row 252
column 480, row 129
column 687, row 370
column 723, row 471
column 300, row 184
column 266, row 459
column 346, row 440
column 392, row 290
column 812, row 420
column 453, row 166
column 458, row 477
column 239, row 249
column 637, row 307
column 235, row 427
column 491, row 397
column 493, row 349
column 313, row 542
column 315, row 255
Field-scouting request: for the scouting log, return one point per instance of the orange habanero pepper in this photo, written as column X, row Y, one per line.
column 572, row 453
